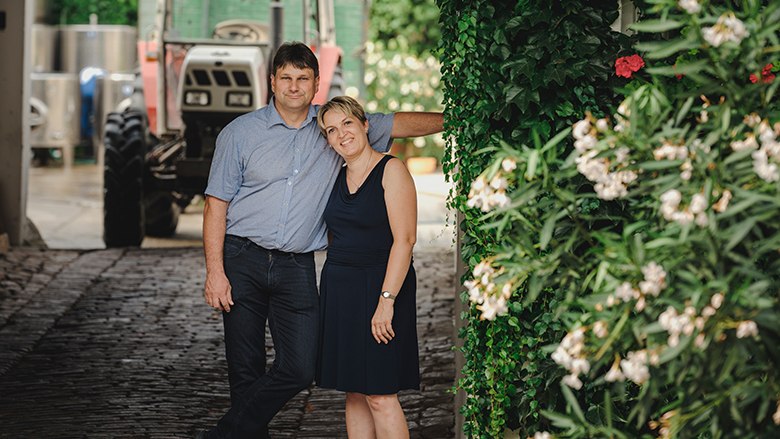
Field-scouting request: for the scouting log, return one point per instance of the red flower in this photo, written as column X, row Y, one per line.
column 625, row 66
column 766, row 75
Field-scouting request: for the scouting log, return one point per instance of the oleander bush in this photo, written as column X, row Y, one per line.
column 513, row 70
column 651, row 235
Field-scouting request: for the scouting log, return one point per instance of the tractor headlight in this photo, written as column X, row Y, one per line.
column 239, row 99
column 200, row 98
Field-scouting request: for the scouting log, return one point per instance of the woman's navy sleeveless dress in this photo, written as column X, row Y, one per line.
column 350, row 358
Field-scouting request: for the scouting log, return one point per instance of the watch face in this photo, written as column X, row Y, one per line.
column 385, row 294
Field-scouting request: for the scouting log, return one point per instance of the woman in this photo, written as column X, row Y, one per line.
column 368, row 343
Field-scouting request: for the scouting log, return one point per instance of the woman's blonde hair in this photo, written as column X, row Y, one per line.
column 346, row 105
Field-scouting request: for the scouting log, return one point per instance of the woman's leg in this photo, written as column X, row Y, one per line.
column 389, row 419
column 360, row 424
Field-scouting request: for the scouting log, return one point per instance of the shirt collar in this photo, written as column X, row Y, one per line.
column 276, row 119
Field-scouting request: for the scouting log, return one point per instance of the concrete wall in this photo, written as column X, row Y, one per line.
column 15, row 25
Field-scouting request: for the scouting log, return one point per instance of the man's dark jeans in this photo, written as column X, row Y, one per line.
column 279, row 287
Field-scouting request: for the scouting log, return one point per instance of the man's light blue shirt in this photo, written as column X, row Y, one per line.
column 277, row 178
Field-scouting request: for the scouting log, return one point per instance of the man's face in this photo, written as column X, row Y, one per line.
column 294, row 88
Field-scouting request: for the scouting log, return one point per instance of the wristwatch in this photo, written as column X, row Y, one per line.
column 387, row 295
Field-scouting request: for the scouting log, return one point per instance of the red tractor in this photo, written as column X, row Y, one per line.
column 158, row 150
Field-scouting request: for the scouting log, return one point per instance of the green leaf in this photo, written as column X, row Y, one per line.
column 658, row 50
column 533, row 159
column 739, row 232
column 572, row 402
column 655, row 26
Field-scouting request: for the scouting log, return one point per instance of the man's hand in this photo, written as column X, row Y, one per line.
column 218, row 292
column 382, row 322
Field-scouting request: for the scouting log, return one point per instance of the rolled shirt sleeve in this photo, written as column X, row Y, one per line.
column 380, row 130
column 226, row 173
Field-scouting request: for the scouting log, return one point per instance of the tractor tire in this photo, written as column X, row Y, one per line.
column 123, row 217
column 161, row 213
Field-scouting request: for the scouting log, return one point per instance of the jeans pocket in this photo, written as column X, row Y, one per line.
column 234, row 246
column 302, row 260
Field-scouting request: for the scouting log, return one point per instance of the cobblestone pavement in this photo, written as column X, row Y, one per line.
column 119, row 344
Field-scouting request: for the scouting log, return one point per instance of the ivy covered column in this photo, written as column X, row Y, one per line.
column 517, row 72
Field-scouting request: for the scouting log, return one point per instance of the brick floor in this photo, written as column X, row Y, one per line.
column 118, row 343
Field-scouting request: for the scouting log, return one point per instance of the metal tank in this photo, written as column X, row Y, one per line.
column 112, row 93
column 108, row 47
column 43, row 48
column 55, row 104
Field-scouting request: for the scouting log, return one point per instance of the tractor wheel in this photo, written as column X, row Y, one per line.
column 161, row 213
column 123, row 219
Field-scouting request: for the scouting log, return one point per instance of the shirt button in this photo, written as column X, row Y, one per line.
column 295, row 171
column 289, row 183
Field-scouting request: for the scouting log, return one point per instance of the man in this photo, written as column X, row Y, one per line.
column 270, row 179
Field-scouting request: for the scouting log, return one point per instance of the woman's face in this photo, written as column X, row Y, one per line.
column 345, row 133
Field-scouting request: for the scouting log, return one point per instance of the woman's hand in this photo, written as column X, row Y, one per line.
column 382, row 322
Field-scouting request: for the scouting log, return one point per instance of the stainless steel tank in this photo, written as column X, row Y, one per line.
column 40, row 11
column 109, row 47
column 43, row 48
column 55, row 106
column 112, row 93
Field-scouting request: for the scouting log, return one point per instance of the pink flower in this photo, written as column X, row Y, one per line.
column 625, row 66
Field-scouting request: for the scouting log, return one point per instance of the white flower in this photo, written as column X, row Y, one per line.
column 561, row 357
column 727, row 28
column 655, row 279
column 498, row 199
column 672, row 197
column 585, row 143
column 600, row 329
column 542, row 435
column 508, row 164
column 640, row 304
column 580, row 129
column 687, row 170
column 690, row 6
column 499, row 182
column 723, row 203
column 716, row 300
column 765, row 170
column 626, row 292
column 635, row 367
column 622, row 155
column 579, row 366
column 708, row 312
column 670, row 152
column 572, row 381
column 702, row 220
column 752, row 120
column 700, row 341
column 698, row 203
column 602, row 125
column 614, row 374
column 747, row 328
column 610, row 188
column 594, row 169
column 493, row 306
column 776, row 416
column 743, row 145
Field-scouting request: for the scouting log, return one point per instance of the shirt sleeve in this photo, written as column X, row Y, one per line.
column 380, row 129
column 226, row 173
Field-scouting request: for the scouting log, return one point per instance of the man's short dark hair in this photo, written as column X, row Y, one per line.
column 296, row 54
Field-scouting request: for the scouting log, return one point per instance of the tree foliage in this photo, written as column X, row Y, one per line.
column 108, row 11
